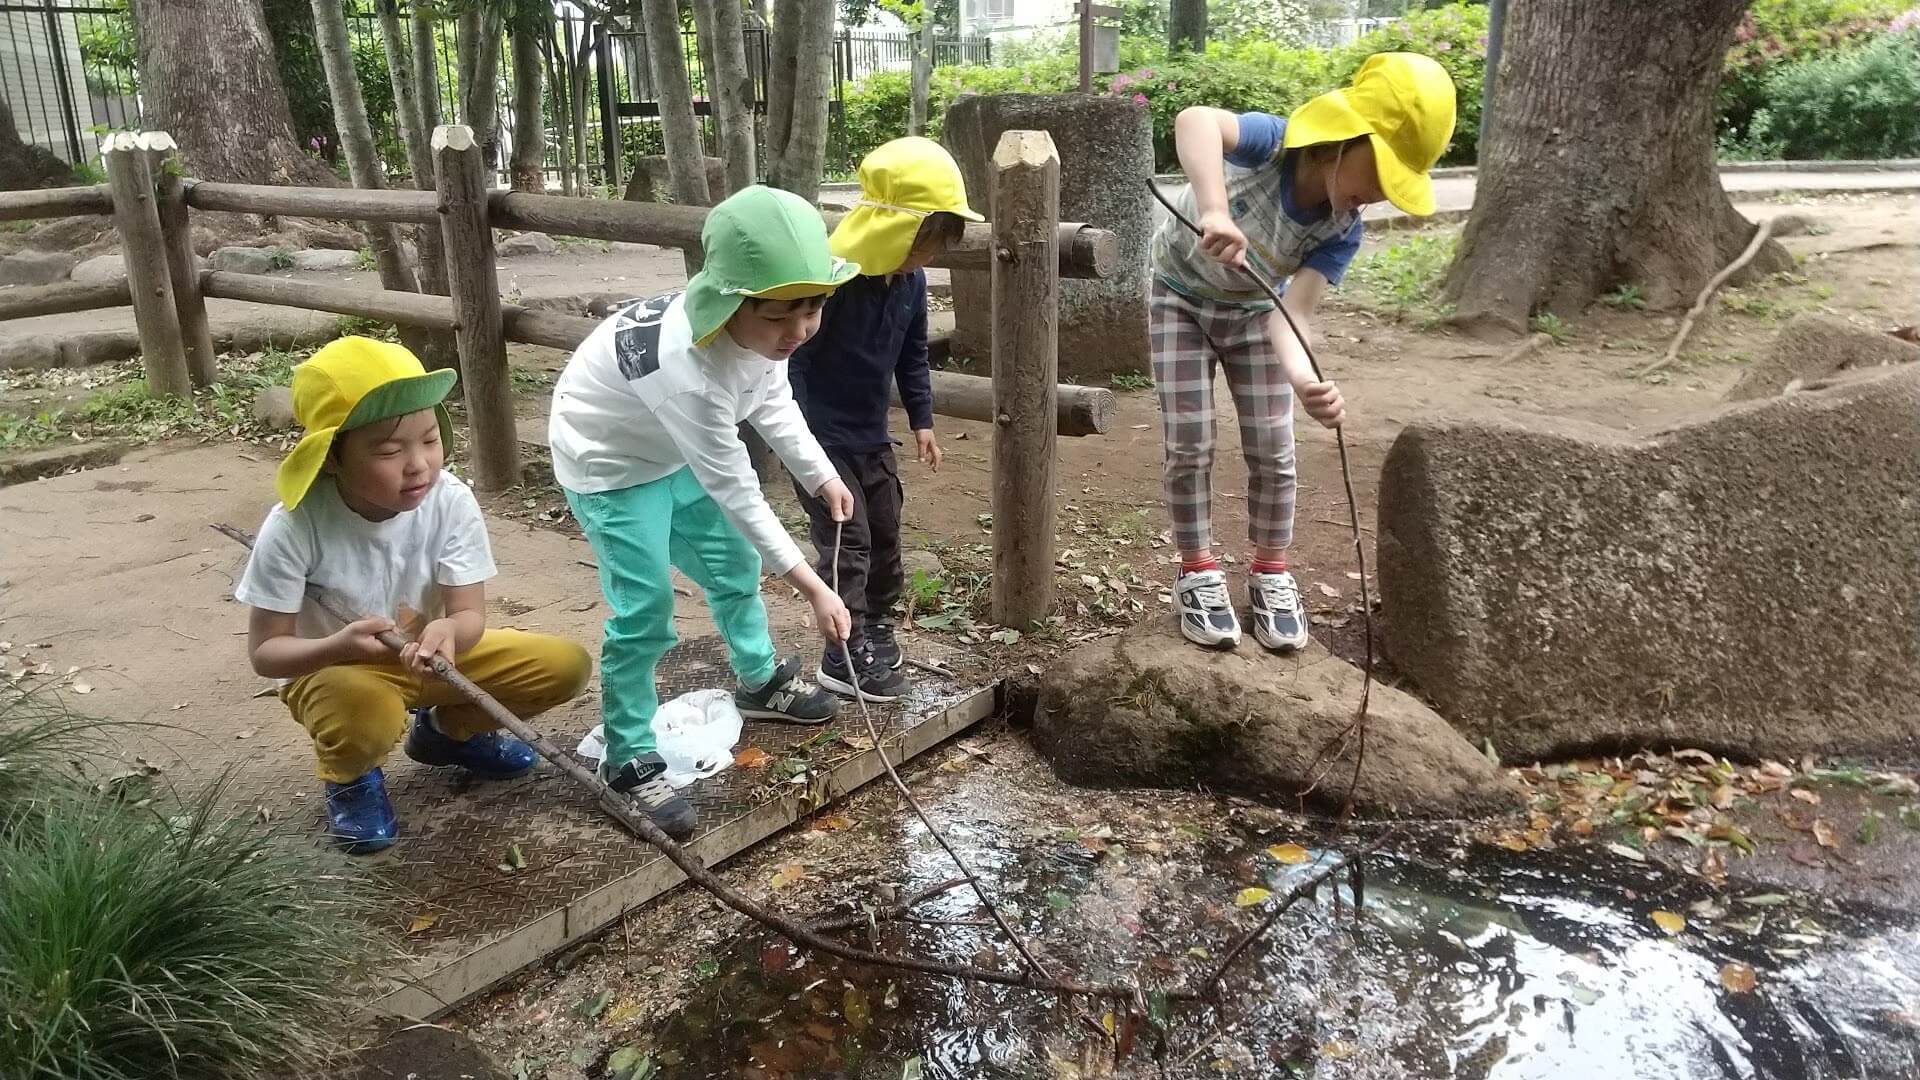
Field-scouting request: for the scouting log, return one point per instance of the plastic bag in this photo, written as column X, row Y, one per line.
column 694, row 732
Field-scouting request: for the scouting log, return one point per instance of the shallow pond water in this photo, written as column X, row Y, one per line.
column 1469, row 963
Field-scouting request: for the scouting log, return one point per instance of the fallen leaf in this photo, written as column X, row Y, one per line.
column 422, row 923
column 788, row 874
column 1738, row 978
column 515, row 858
column 1806, row 795
column 1290, row 854
column 1769, row 899
column 1250, row 896
column 629, row 1063
column 592, row 1006
column 1626, row 852
column 1327, row 590
column 832, row 822
column 1059, row 901
column 1823, row 834
column 913, row 1070
column 1336, row 1049
column 1669, row 921
column 855, row 1007
column 752, row 757
column 82, row 688
column 622, row 1014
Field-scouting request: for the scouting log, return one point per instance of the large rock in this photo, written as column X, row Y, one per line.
column 326, row 259
column 1746, row 583
column 1148, row 708
column 526, row 243
column 649, row 181
column 101, row 270
column 36, row 268
column 1106, row 152
column 1813, row 347
column 70, row 233
column 273, row 408
column 243, row 260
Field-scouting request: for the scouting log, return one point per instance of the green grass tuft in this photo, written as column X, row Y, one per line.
column 1405, row 279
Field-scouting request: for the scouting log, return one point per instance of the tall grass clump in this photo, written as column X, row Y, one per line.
column 167, row 938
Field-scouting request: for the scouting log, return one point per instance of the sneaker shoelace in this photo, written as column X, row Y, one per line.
column 1279, row 591
column 1211, row 597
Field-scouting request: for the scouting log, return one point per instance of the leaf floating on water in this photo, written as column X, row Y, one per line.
column 913, row 1070
column 1626, row 852
column 1768, row 899
column 592, row 1006
column 1336, row 1049
column 832, row 822
column 855, row 1007
column 1059, row 901
column 788, row 874
column 1250, row 896
column 1289, row 854
column 752, row 757
column 1738, row 978
column 629, row 1063
column 1669, row 921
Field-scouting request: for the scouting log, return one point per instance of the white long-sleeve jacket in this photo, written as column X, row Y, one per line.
column 639, row 400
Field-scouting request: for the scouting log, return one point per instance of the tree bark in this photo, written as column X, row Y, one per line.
column 136, row 215
column 589, row 33
column 559, row 88
column 1600, row 172
column 415, row 94
column 363, row 161
column 1187, row 25
column 797, row 97
column 25, row 166
column 493, row 448
column 732, row 93
column 922, row 76
column 686, row 158
column 532, row 19
column 209, row 78
column 478, row 46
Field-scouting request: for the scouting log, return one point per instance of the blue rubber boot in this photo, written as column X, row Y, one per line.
column 360, row 815
column 493, row 754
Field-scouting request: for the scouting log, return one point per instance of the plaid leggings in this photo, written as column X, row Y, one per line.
column 1188, row 335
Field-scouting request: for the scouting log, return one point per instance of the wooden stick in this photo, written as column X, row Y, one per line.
column 149, row 281
column 1026, row 312
column 27, row 301
column 898, row 911
column 494, row 446
column 56, row 202
column 182, row 265
column 337, row 204
column 411, row 309
column 1754, row 245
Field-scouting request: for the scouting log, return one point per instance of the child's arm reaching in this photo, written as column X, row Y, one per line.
column 277, row 651
column 450, row 634
column 1203, row 137
column 1321, row 399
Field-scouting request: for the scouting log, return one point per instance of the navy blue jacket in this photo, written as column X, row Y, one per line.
column 872, row 334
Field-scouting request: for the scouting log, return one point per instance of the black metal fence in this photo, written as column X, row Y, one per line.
column 69, row 73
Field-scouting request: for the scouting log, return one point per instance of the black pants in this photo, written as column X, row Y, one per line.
column 870, row 573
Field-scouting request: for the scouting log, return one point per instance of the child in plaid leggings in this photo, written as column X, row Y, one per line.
column 1281, row 197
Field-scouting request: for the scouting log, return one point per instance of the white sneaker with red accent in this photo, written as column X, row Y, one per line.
column 1206, row 613
column 1279, row 623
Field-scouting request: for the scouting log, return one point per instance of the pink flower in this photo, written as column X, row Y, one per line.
column 1905, row 21
column 1442, row 46
column 1173, row 86
column 1139, row 99
column 1483, row 41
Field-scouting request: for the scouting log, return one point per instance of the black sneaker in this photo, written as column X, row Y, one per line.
column 877, row 681
column 637, row 785
column 787, row 697
column 885, row 646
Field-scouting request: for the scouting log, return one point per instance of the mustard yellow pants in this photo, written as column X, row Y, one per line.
column 357, row 712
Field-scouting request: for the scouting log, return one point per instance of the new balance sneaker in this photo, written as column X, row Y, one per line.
column 360, row 816
column 787, row 697
column 885, row 646
column 493, row 754
column 638, row 786
column 877, row 681
column 1206, row 615
column 1278, row 621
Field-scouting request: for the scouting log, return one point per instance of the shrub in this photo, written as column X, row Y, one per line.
column 1861, row 103
column 1775, row 33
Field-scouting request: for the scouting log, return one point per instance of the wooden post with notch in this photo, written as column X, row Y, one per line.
column 1025, row 192
column 492, row 444
column 137, row 217
column 183, row 267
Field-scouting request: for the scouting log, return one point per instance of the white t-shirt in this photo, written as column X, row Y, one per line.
column 639, row 400
column 393, row 567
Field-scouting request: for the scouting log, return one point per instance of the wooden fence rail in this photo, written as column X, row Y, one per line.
column 1025, row 247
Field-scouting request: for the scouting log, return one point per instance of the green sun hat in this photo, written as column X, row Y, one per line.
column 764, row 243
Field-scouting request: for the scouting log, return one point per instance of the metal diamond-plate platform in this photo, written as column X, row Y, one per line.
column 116, row 573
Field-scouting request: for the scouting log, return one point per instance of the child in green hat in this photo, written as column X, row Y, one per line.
column 645, row 437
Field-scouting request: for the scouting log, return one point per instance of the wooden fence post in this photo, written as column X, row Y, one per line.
column 1025, row 193
column 183, row 267
column 137, row 217
column 462, row 181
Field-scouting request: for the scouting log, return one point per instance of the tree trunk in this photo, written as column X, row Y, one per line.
column 478, row 46
column 802, row 78
column 1187, row 25
column 732, row 93
column 412, row 94
column 426, row 74
column 559, row 88
column 532, row 19
column 686, row 158
column 588, row 34
column 922, row 76
column 25, row 166
column 1585, row 186
column 363, row 161
column 209, row 78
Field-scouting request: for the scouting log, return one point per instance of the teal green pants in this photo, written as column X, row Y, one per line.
column 638, row 534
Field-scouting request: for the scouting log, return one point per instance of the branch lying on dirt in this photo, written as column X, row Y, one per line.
column 1700, row 305
column 792, row 929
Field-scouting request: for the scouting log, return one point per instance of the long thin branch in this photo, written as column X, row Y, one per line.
column 1700, row 304
column 1246, row 940
column 897, row 911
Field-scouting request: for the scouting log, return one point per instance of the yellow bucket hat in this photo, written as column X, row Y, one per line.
column 902, row 183
column 1404, row 104
column 351, row 383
